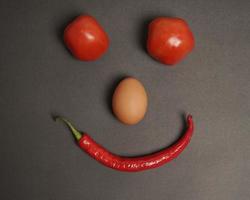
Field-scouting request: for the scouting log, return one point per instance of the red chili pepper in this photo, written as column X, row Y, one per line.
column 131, row 164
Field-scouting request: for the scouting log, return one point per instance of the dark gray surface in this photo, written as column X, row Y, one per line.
column 39, row 78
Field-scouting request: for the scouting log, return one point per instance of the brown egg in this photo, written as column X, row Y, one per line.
column 130, row 101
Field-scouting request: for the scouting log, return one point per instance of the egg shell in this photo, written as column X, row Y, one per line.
column 130, row 101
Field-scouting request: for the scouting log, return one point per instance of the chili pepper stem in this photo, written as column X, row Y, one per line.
column 74, row 131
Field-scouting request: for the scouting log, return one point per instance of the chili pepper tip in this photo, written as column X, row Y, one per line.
column 74, row 131
column 189, row 116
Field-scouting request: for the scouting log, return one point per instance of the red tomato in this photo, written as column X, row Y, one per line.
column 85, row 38
column 169, row 39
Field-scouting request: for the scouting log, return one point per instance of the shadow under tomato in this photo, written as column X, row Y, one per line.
column 142, row 31
column 62, row 23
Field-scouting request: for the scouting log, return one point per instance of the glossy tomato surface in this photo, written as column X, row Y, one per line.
column 169, row 40
column 85, row 38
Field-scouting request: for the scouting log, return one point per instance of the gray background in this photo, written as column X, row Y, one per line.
column 39, row 78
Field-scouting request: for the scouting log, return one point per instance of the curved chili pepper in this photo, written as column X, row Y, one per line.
column 131, row 164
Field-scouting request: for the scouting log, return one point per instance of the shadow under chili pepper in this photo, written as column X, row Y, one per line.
column 55, row 116
column 182, row 132
column 184, row 124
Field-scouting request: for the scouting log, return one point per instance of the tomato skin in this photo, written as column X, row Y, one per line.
column 169, row 40
column 85, row 38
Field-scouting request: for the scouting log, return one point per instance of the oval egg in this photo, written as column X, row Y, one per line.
column 130, row 101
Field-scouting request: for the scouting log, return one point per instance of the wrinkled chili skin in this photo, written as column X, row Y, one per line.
column 135, row 164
